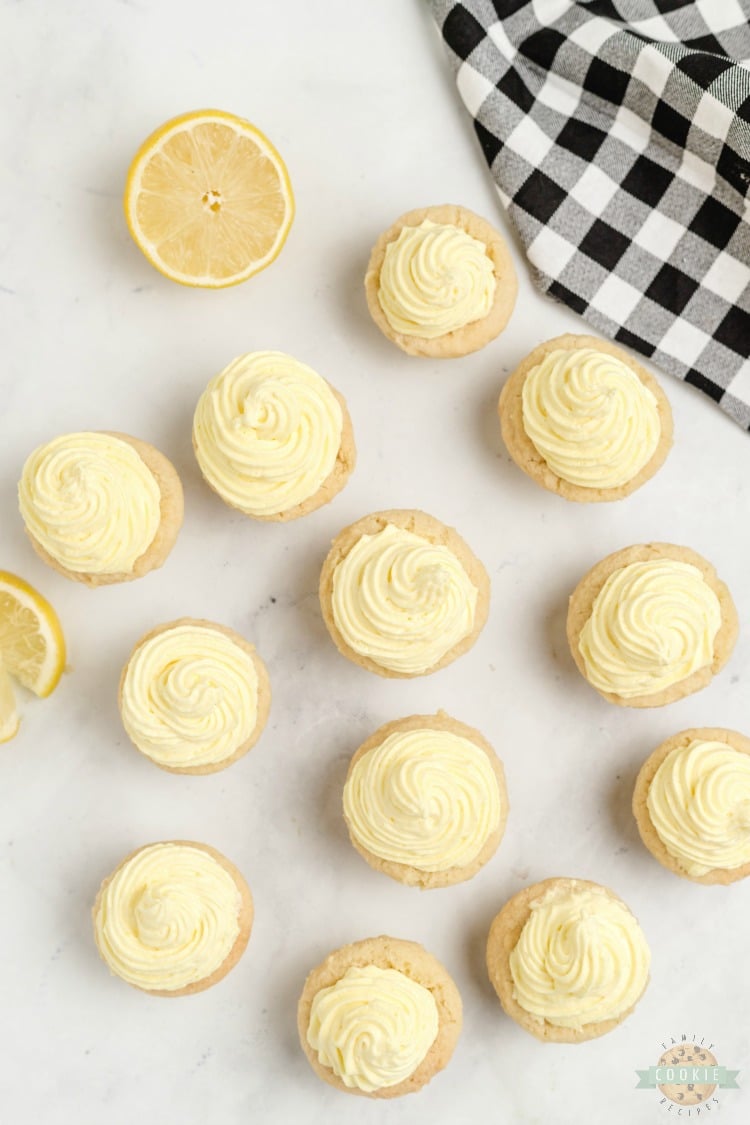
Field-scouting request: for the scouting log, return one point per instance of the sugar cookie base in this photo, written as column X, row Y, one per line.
column 502, row 940
column 473, row 336
column 244, row 919
column 649, row 835
column 435, row 532
column 582, row 601
column 420, row 966
column 264, row 693
column 343, row 466
column 414, row 876
column 171, row 509
column 530, row 460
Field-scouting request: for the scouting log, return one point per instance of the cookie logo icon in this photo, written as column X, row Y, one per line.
column 687, row 1075
column 687, row 1055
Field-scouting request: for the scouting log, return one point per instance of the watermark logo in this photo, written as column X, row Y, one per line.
column 687, row 1076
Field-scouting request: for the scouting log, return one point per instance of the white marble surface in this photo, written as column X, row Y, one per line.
column 360, row 101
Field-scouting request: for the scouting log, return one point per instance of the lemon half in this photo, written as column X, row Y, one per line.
column 32, row 646
column 208, row 199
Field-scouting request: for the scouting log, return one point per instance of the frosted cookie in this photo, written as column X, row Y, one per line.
column 651, row 624
column 441, row 282
column 194, row 696
column 582, row 418
column 100, row 507
column 692, row 804
column 379, row 1018
column 401, row 594
column 273, row 438
column 425, row 800
column 173, row 918
column 567, row 960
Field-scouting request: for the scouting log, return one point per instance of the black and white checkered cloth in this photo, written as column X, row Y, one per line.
column 618, row 134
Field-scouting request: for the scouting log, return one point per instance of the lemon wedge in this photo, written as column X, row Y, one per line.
column 208, row 199
column 32, row 646
column 9, row 721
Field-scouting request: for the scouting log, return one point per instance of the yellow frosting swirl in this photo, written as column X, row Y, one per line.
column 267, row 432
column 401, row 600
column 699, row 804
column 189, row 697
column 590, row 417
column 91, row 502
column 652, row 624
column 435, row 278
column 427, row 798
column 373, row 1027
column 168, row 917
column 581, row 958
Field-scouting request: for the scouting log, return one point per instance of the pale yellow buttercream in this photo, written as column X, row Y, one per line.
column 699, row 804
column 435, row 278
column 590, row 417
column 401, row 600
column 652, row 624
column 426, row 798
column 91, row 502
column 581, row 958
column 168, row 918
column 267, row 432
column 189, row 697
column 373, row 1027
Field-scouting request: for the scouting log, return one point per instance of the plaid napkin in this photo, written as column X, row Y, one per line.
column 618, row 134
